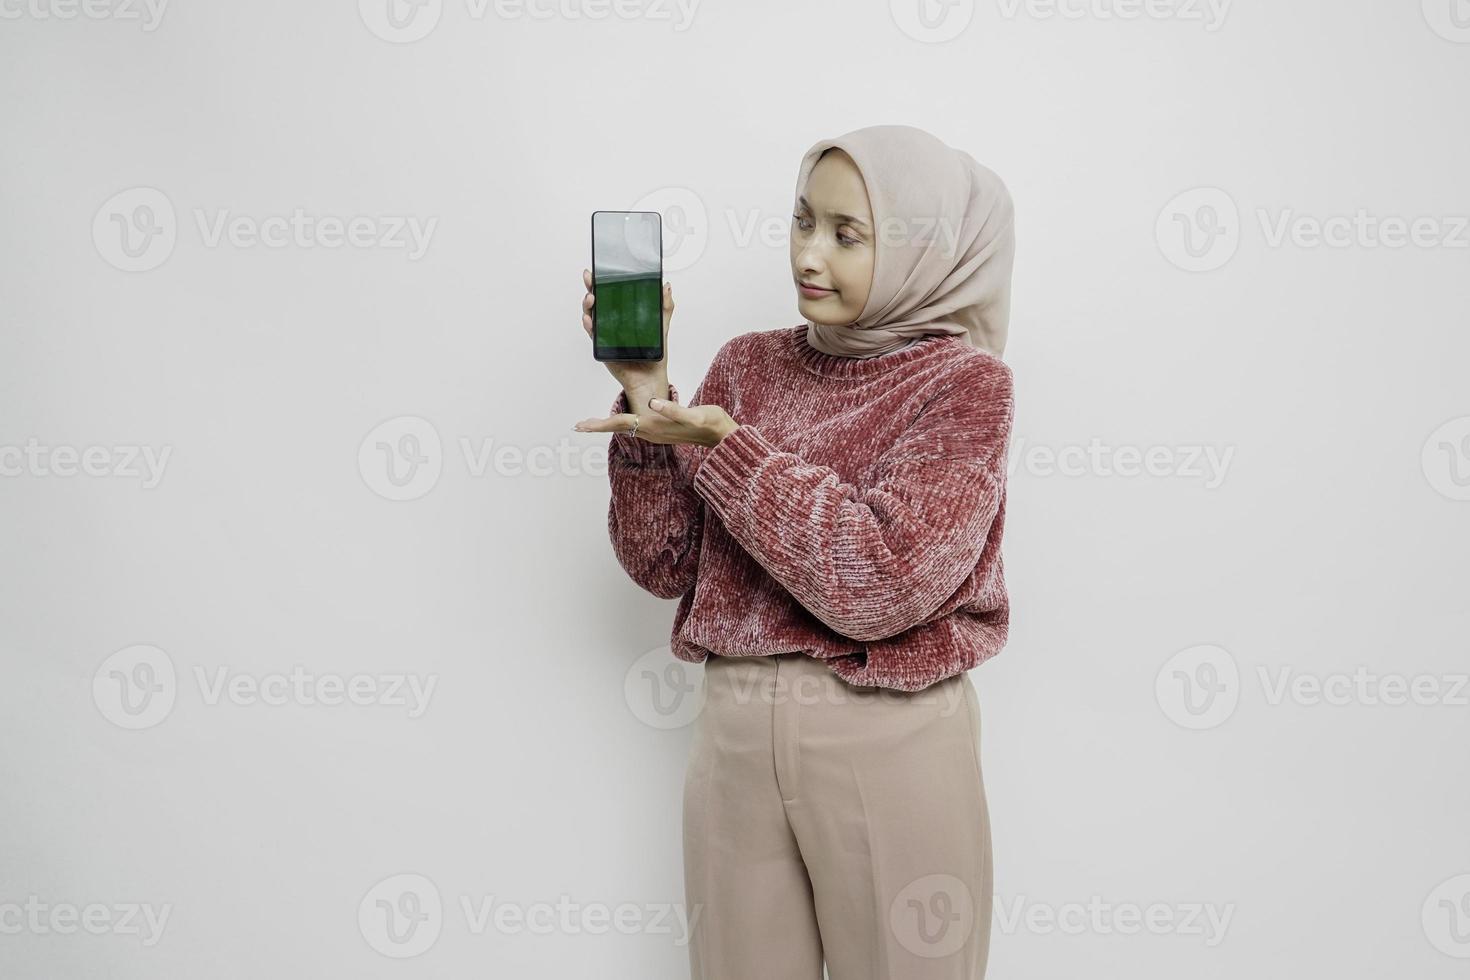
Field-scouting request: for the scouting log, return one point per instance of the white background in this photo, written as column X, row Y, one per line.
column 1333, row 542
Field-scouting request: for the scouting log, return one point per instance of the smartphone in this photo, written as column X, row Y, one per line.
column 627, row 286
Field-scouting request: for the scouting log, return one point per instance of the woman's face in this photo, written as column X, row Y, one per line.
column 832, row 242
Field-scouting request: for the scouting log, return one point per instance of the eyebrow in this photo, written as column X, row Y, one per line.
column 835, row 214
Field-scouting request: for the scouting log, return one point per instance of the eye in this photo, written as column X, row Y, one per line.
column 800, row 222
column 848, row 241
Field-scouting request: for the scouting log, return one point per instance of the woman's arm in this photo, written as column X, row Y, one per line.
column 872, row 562
column 655, row 518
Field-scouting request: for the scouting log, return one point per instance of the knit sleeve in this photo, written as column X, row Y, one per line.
column 655, row 519
column 873, row 561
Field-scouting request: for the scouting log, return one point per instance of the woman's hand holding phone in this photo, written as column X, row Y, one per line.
column 662, row 422
column 641, row 380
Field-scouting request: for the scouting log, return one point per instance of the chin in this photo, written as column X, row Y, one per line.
column 813, row 311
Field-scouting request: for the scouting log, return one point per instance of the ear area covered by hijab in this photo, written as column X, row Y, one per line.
column 944, row 234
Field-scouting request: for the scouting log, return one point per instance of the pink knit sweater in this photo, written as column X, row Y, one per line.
column 855, row 515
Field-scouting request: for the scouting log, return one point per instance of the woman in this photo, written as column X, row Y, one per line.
column 829, row 511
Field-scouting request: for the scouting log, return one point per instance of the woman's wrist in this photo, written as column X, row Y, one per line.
column 637, row 396
column 722, row 430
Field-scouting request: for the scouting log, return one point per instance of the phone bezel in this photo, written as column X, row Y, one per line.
column 637, row 353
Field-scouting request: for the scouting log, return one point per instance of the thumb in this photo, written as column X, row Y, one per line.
column 665, row 407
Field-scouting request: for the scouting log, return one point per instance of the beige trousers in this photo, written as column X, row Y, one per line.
column 824, row 820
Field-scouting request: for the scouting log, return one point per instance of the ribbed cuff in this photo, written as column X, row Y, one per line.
column 629, row 450
column 725, row 473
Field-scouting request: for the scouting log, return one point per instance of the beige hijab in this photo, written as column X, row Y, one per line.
column 945, row 241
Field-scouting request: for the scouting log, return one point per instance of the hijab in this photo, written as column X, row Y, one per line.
column 944, row 235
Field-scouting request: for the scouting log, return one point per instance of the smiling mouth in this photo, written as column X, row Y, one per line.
column 815, row 290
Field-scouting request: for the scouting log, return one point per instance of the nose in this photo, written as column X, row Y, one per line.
column 810, row 257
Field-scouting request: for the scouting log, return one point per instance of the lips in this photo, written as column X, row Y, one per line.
column 815, row 290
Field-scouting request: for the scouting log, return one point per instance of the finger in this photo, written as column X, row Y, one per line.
column 668, row 310
column 668, row 409
column 587, row 301
column 613, row 423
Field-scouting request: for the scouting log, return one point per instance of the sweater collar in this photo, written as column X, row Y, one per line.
column 837, row 366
